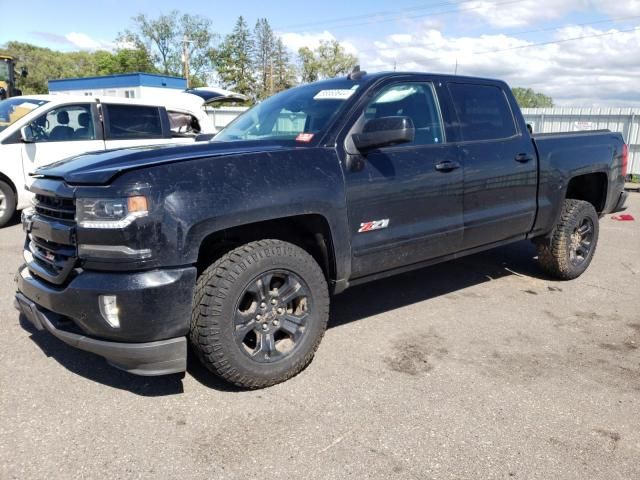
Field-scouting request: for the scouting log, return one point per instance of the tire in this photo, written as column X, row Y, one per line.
column 7, row 203
column 568, row 251
column 259, row 313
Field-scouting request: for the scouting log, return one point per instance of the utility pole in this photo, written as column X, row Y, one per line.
column 185, row 57
column 271, row 77
column 456, row 71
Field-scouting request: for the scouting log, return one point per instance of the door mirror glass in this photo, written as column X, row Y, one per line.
column 384, row 132
column 27, row 135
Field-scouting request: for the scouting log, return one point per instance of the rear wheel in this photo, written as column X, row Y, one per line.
column 567, row 253
column 7, row 203
column 259, row 313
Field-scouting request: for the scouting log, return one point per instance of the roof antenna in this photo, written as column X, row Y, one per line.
column 356, row 73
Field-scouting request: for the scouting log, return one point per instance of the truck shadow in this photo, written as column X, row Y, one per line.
column 355, row 304
column 96, row 369
column 419, row 285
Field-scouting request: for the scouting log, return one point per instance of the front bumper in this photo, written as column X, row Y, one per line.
column 152, row 358
column 154, row 313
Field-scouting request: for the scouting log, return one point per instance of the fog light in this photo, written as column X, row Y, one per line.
column 109, row 310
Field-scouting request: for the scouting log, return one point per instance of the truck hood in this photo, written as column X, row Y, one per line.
column 99, row 168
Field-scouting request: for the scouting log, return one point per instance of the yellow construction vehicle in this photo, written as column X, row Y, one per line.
column 8, row 77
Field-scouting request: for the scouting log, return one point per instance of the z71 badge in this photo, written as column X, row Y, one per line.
column 375, row 225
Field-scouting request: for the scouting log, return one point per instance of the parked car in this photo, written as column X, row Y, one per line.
column 42, row 129
column 237, row 245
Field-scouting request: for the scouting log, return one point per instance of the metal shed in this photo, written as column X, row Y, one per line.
column 572, row 119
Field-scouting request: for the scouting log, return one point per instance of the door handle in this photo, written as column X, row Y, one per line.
column 523, row 158
column 447, row 166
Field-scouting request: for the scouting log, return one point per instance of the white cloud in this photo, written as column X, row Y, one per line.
column 499, row 13
column 591, row 71
column 295, row 41
column 525, row 12
column 85, row 42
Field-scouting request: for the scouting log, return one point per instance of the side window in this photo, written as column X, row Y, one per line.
column 65, row 124
column 414, row 100
column 483, row 111
column 183, row 124
column 129, row 122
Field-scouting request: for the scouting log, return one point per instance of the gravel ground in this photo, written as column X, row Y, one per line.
column 479, row 368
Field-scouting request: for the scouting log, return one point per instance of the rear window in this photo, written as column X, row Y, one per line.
column 133, row 121
column 483, row 112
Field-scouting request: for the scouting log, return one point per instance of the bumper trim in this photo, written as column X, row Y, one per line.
column 152, row 358
column 620, row 206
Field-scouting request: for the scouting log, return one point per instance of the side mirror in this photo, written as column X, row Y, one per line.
column 27, row 135
column 384, row 132
column 205, row 137
column 24, row 73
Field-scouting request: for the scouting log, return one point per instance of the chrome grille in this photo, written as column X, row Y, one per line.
column 55, row 207
column 50, row 248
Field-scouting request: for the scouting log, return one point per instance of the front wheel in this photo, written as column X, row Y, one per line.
column 259, row 313
column 567, row 253
column 7, row 203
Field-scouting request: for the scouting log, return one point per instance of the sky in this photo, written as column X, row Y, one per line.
column 579, row 52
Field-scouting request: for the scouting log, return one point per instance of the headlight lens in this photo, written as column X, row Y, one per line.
column 110, row 212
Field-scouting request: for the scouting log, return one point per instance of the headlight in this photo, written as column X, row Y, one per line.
column 110, row 212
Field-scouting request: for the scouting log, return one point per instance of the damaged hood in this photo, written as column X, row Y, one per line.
column 99, row 168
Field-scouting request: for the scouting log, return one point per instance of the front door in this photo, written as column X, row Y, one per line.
column 60, row 133
column 404, row 201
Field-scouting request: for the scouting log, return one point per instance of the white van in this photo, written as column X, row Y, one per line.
column 37, row 130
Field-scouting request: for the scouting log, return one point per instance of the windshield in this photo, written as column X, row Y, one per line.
column 296, row 114
column 4, row 71
column 14, row 109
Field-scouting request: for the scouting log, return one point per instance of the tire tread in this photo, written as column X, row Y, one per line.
column 211, row 291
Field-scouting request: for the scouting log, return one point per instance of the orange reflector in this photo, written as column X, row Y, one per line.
column 137, row 204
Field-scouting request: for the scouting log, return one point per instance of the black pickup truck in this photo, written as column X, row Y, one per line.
column 235, row 246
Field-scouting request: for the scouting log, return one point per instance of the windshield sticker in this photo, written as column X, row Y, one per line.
column 337, row 94
column 304, row 137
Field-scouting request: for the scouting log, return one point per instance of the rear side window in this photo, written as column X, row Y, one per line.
column 133, row 121
column 483, row 112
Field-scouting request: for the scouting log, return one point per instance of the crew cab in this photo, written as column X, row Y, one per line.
column 42, row 129
column 237, row 245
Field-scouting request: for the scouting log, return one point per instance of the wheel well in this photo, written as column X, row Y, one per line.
column 310, row 232
column 591, row 188
column 8, row 181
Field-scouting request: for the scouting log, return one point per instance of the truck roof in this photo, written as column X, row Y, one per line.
column 371, row 77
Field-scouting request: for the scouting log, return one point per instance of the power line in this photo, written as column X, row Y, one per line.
column 531, row 45
column 516, row 34
column 368, row 15
column 564, row 40
column 403, row 15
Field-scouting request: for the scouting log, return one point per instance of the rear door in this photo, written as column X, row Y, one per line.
column 403, row 206
column 136, row 125
column 499, row 165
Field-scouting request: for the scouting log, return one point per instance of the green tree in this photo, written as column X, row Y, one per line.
column 309, row 66
column 166, row 38
column 232, row 60
column 527, row 98
column 45, row 64
column 123, row 60
column 264, row 52
column 327, row 61
column 284, row 72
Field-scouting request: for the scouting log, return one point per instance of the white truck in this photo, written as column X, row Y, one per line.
column 37, row 130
